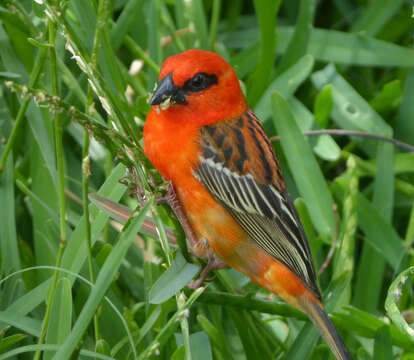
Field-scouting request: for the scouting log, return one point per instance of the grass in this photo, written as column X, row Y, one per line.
column 76, row 283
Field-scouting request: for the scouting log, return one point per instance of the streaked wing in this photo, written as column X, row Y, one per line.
column 239, row 168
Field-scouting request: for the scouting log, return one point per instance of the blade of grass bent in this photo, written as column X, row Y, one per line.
column 103, row 281
column 286, row 84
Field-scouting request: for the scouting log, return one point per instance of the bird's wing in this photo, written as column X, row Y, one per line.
column 239, row 168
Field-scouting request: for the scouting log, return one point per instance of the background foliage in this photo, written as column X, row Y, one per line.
column 71, row 288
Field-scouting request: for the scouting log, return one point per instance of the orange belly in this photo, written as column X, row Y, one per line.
column 211, row 222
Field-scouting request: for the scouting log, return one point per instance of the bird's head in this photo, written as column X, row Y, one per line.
column 201, row 83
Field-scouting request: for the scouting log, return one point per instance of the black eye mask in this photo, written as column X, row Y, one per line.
column 199, row 82
column 167, row 89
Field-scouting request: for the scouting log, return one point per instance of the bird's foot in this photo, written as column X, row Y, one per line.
column 213, row 264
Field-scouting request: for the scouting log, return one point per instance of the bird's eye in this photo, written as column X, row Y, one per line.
column 200, row 82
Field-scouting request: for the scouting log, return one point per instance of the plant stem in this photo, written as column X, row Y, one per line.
column 61, row 188
column 89, row 109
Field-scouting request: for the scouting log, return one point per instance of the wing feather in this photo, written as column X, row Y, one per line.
column 247, row 181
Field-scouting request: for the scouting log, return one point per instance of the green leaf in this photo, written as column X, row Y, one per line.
column 9, row 341
column 330, row 46
column 377, row 13
column 394, row 292
column 61, row 315
column 372, row 263
column 304, row 168
column 46, row 348
column 102, row 347
column 286, row 84
column 383, row 345
column 9, row 75
column 323, row 145
column 404, row 128
column 298, row 44
column 365, row 324
column 379, row 233
column 102, row 283
column 258, row 80
column 179, row 353
column 200, row 346
column 39, row 44
column 25, row 323
column 350, row 110
column 389, row 97
column 124, row 22
column 75, row 252
column 200, row 23
column 10, row 260
column 215, row 335
column 323, row 106
column 174, row 279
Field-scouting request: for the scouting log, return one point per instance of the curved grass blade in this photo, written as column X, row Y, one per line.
column 103, row 281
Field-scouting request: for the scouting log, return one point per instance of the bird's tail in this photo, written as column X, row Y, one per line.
column 321, row 320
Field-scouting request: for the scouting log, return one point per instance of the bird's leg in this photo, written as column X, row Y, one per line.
column 199, row 247
column 171, row 199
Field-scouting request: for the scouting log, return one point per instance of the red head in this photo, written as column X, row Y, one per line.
column 198, row 86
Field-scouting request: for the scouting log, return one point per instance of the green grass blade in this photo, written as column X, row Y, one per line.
column 8, row 237
column 125, row 22
column 377, row 13
column 349, row 107
column 383, row 345
column 200, row 23
column 372, row 264
column 61, row 316
column 404, row 129
column 324, row 146
column 25, row 323
column 391, row 306
column 379, row 233
column 332, row 46
column 47, row 348
column 286, row 84
column 298, row 44
column 9, row 341
column 102, row 283
column 259, row 79
column 173, row 280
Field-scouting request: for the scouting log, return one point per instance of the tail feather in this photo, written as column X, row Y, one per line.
column 321, row 320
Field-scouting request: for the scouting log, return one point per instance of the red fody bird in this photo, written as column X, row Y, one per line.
column 203, row 138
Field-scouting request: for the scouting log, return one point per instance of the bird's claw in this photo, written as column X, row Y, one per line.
column 213, row 264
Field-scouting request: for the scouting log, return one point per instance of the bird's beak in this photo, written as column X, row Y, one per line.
column 167, row 93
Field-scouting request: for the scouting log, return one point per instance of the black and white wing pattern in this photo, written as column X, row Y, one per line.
column 239, row 168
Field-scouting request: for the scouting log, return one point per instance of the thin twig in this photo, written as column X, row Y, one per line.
column 343, row 132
